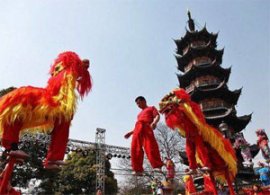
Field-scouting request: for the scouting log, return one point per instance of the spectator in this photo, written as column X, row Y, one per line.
column 222, row 190
column 264, row 173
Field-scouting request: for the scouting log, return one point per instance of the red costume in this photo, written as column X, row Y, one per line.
column 50, row 109
column 209, row 186
column 143, row 138
column 189, row 185
column 170, row 169
column 205, row 145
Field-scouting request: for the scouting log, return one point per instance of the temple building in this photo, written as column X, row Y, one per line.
column 203, row 77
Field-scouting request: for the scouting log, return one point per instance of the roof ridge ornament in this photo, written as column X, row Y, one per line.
column 191, row 24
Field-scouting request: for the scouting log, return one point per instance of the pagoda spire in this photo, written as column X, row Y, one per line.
column 190, row 22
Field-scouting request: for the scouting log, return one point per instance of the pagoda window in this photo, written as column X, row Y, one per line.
column 198, row 44
column 199, row 61
column 214, row 104
column 203, row 60
column 207, row 81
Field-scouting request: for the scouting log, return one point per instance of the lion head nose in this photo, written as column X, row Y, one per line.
column 86, row 63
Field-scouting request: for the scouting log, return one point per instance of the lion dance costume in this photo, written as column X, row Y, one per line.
column 47, row 110
column 205, row 146
column 243, row 145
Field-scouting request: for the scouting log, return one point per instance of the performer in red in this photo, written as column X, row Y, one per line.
column 143, row 137
column 170, row 169
column 189, row 183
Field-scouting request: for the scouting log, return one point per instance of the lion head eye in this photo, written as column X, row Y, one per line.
column 58, row 68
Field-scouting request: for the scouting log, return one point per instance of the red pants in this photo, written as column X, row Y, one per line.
column 209, row 185
column 189, row 186
column 143, row 137
column 59, row 138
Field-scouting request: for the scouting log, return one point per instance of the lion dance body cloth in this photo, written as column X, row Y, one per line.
column 205, row 146
column 47, row 110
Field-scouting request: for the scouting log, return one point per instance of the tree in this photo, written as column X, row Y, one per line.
column 79, row 176
column 170, row 144
column 33, row 167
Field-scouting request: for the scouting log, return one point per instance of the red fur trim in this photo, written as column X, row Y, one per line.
column 182, row 94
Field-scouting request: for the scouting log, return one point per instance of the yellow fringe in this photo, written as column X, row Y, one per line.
column 210, row 137
column 42, row 117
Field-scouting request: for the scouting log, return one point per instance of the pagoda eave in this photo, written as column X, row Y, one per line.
column 212, row 53
column 196, row 71
column 190, row 36
column 221, row 92
column 236, row 123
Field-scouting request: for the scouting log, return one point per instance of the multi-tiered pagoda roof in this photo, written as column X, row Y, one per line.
column 203, row 77
column 206, row 81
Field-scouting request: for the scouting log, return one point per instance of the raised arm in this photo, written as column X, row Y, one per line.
column 127, row 135
column 156, row 120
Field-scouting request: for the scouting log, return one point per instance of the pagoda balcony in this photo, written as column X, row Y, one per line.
column 215, row 112
column 209, row 84
column 212, row 106
column 215, row 104
column 189, row 88
column 198, row 62
column 196, row 45
column 198, row 57
column 215, row 108
column 206, row 63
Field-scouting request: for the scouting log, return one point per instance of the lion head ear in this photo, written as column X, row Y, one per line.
column 86, row 63
column 182, row 94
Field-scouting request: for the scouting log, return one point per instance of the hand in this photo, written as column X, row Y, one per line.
column 153, row 125
column 128, row 134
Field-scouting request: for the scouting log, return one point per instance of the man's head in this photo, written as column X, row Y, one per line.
column 256, row 188
column 220, row 186
column 141, row 102
column 260, row 132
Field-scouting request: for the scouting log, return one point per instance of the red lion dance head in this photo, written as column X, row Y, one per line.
column 69, row 63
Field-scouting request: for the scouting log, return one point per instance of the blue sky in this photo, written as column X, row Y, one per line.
column 131, row 49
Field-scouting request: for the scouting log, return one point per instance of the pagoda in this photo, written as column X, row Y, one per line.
column 206, row 80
